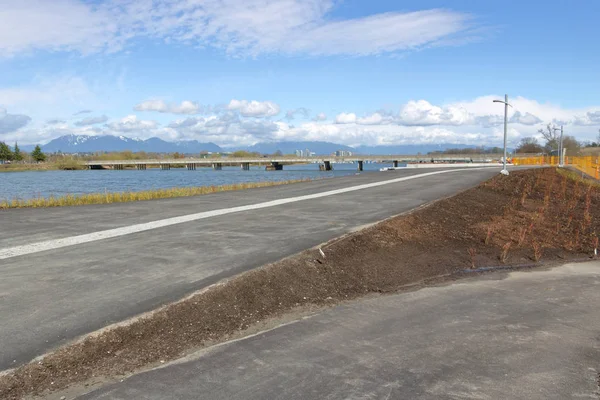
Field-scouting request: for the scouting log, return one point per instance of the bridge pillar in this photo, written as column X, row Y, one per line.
column 245, row 166
column 326, row 166
column 191, row 166
column 217, row 166
column 141, row 167
column 165, row 167
column 395, row 163
column 360, row 165
column 275, row 166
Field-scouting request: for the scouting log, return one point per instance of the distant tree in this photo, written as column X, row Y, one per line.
column 6, row 153
column 552, row 136
column 17, row 155
column 37, row 154
column 244, row 154
column 572, row 145
column 529, row 145
column 278, row 153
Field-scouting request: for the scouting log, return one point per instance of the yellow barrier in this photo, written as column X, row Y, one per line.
column 589, row 165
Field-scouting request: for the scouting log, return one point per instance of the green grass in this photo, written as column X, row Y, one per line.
column 577, row 176
column 124, row 197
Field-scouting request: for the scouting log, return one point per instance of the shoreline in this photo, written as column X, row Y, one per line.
column 71, row 200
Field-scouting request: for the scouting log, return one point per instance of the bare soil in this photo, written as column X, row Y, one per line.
column 529, row 217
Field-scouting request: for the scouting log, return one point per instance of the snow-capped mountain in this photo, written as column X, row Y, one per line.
column 90, row 144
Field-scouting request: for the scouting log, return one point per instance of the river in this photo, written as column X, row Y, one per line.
column 33, row 184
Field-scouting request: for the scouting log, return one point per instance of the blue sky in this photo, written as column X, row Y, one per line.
column 355, row 72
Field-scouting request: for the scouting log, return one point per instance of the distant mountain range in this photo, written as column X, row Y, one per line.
column 93, row 144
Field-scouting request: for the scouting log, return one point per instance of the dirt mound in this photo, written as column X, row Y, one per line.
column 528, row 216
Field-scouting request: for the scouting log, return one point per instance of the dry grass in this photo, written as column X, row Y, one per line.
column 124, row 197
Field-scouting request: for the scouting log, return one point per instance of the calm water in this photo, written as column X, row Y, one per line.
column 46, row 183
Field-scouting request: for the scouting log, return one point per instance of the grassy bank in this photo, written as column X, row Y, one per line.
column 28, row 167
column 124, row 197
column 528, row 218
column 66, row 164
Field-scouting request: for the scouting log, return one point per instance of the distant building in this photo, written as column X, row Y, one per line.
column 343, row 153
column 305, row 153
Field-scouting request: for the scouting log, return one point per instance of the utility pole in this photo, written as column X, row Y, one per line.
column 561, row 161
column 505, row 102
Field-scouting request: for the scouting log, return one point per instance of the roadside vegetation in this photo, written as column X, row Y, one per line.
column 530, row 218
column 124, row 197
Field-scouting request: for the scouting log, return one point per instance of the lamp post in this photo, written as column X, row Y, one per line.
column 505, row 102
column 560, row 147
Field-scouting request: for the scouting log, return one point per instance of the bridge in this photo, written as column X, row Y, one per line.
column 276, row 163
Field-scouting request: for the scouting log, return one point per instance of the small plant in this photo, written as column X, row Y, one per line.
column 595, row 245
column 488, row 236
column 576, row 190
column 577, row 237
column 569, row 220
column 537, row 251
column 588, row 199
column 524, row 196
column 557, row 228
column 587, row 219
column 505, row 250
column 472, row 252
column 522, row 236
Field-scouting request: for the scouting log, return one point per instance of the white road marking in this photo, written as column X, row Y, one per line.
column 128, row 230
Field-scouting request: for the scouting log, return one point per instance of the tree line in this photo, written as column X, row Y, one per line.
column 551, row 142
column 8, row 154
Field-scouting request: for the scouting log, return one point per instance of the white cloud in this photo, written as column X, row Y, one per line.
column 423, row 113
column 185, row 107
column 92, row 121
column 524, row 118
column 376, row 119
column 132, row 124
column 254, row 108
column 237, row 26
column 345, row 118
column 474, row 122
column 291, row 114
column 12, row 122
column 588, row 119
column 320, row 117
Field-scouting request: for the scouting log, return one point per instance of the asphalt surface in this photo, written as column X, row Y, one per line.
column 527, row 335
column 51, row 297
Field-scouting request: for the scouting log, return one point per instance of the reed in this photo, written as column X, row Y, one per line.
column 124, row 197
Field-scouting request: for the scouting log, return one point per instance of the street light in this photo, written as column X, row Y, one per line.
column 560, row 147
column 505, row 102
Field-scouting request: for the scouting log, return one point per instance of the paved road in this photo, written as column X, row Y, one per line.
column 49, row 297
column 531, row 335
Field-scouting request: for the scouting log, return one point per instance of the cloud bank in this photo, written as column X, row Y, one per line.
column 237, row 27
